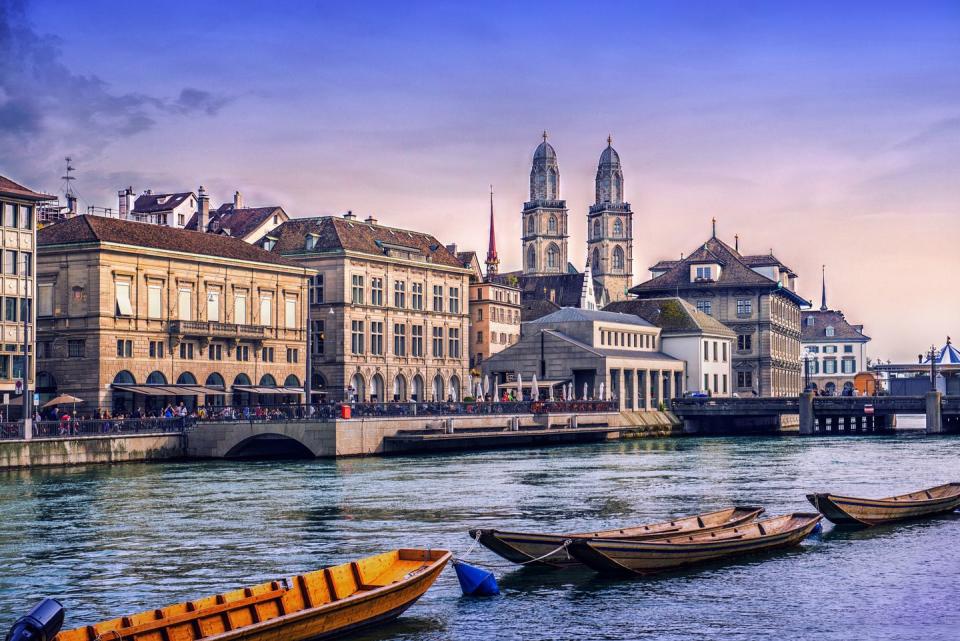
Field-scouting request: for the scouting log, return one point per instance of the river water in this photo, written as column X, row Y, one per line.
column 111, row 540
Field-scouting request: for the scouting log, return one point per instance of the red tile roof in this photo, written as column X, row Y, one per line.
column 150, row 203
column 240, row 222
column 94, row 229
column 7, row 186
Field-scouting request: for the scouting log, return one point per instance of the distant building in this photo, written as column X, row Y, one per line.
column 168, row 210
column 587, row 349
column 18, row 211
column 132, row 315
column 249, row 224
column 388, row 309
column 833, row 349
column 703, row 343
column 752, row 295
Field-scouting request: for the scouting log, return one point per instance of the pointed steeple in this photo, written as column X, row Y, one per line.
column 588, row 299
column 823, row 291
column 492, row 260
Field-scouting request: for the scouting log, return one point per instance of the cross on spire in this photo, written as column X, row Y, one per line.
column 609, row 140
column 823, row 291
column 714, row 222
column 544, row 135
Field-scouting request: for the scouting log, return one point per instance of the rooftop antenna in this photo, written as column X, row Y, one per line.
column 68, row 179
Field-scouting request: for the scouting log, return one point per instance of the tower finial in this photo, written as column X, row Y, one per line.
column 714, row 221
column 823, row 291
column 736, row 242
column 544, row 135
column 493, row 261
column 609, row 140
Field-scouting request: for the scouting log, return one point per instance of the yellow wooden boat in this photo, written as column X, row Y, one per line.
column 612, row 556
column 317, row 605
column 534, row 548
column 850, row 510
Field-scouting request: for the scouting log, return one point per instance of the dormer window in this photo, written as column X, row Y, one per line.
column 704, row 273
column 269, row 242
column 810, row 321
column 829, row 331
column 311, row 241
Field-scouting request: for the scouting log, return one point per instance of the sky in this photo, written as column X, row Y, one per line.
column 828, row 132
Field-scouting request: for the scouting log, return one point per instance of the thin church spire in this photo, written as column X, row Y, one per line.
column 823, row 290
column 493, row 261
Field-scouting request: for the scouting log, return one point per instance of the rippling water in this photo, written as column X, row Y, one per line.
column 110, row 540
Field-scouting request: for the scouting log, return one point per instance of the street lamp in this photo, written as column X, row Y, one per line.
column 806, row 370
column 933, row 368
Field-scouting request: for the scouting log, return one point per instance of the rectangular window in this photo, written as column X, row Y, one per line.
column 26, row 216
column 215, row 352
column 213, row 306
column 27, row 263
column 438, row 298
column 706, row 350
column 242, row 352
column 399, row 339
column 318, row 335
column 357, row 290
column 848, row 349
column 10, row 309
column 76, row 348
column 438, row 342
column 416, row 341
column 744, row 307
column 9, row 215
column 744, row 342
column 479, row 338
column 715, row 354
column 290, row 313
column 124, row 308
column 45, row 304
column 706, row 382
column 267, row 354
column 156, row 349
column 154, row 302
column 240, row 308
column 376, row 291
column 705, row 306
column 124, row 348
column 830, row 366
column 704, row 273
column 814, row 349
column 399, row 294
column 724, row 352
column 186, row 351
column 266, row 310
column 454, row 342
column 316, row 289
column 744, row 379
column 293, row 355
column 4, row 366
column 716, row 383
column 416, row 296
column 356, row 337
column 829, row 349
column 847, row 366
column 184, row 304
column 454, row 300
column 724, row 383
column 376, row 338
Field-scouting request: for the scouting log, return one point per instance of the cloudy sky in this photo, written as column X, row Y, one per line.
column 829, row 132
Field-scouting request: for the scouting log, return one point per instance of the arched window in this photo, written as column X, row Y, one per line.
column 531, row 257
column 186, row 379
column 552, row 225
column 124, row 378
column 438, row 388
column 376, row 389
column 418, row 389
column 241, row 379
column 531, row 225
column 319, row 383
column 268, row 381
column 617, row 259
column 553, row 257
column 454, row 391
column 358, row 388
column 122, row 401
column 595, row 261
column 215, row 380
column 156, row 378
column 617, row 228
column 399, row 388
column 596, row 229
column 291, row 381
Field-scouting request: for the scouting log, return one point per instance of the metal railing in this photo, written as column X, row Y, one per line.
column 106, row 427
column 11, row 431
column 214, row 328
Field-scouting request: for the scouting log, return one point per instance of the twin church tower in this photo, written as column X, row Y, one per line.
column 609, row 224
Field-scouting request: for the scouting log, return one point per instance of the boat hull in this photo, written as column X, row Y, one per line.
column 849, row 510
column 533, row 548
column 305, row 608
column 651, row 557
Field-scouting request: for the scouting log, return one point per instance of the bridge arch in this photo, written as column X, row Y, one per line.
column 268, row 445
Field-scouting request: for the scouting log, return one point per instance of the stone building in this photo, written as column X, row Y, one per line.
column 590, row 348
column 703, row 343
column 610, row 229
column 544, row 218
column 754, row 296
column 18, row 207
column 834, row 350
column 389, row 309
column 135, row 315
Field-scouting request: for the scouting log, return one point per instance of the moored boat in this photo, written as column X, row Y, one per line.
column 317, row 605
column 850, row 510
column 535, row 548
column 617, row 556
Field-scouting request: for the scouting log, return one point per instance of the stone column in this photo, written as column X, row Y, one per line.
column 645, row 388
column 629, row 386
column 658, row 388
column 934, row 417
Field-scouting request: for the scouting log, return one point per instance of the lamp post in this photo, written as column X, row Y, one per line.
column 933, row 368
column 806, row 370
column 26, row 311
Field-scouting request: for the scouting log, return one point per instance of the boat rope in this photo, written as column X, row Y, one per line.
column 103, row 636
column 562, row 547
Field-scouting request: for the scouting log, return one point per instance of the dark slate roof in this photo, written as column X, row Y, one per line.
column 664, row 265
column 340, row 234
column 575, row 314
column 240, row 222
column 766, row 260
column 150, row 203
column 93, row 229
column 562, row 289
column 672, row 315
column 17, row 190
column 534, row 308
column 842, row 330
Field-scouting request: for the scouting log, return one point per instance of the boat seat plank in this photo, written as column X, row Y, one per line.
column 344, row 583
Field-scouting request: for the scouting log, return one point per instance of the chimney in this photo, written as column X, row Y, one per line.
column 237, row 200
column 371, row 220
column 125, row 197
column 452, row 249
column 349, row 215
column 203, row 209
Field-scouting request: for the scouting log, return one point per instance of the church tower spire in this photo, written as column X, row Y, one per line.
column 544, row 216
column 493, row 262
column 823, row 290
column 610, row 228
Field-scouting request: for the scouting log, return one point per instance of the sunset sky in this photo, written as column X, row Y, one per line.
column 829, row 132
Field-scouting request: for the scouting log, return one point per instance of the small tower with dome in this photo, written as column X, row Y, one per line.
column 610, row 228
column 544, row 216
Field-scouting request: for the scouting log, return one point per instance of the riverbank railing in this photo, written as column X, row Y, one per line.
column 107, row 427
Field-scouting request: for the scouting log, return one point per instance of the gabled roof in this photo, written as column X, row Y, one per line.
column 92, row 229
column 17, row 190
column 575, row 314
column 341, row 234
column 240, row 222
column 766, row 260
column 817, row 332
column 150, row 203
column 664, row 265
column 672, row 315
column 533, row 308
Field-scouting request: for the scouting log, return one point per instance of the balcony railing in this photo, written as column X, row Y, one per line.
column 212, row 328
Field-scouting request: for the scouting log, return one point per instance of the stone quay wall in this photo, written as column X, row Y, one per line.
column 81, row 450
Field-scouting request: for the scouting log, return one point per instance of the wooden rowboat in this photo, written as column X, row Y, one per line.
column 524, row 547
column 316, row 605
column 612, row 556
column 849, row 510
